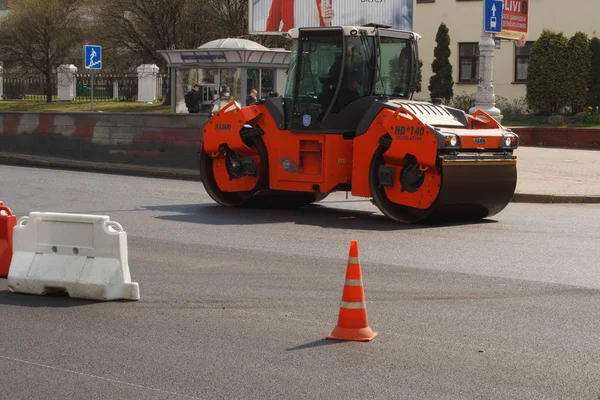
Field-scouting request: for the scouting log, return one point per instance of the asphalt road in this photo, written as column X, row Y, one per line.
column 235, row 304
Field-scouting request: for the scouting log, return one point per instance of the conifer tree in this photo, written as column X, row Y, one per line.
column 419, row 80
column 441, row 82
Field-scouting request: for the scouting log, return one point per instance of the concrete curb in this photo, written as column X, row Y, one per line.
column 554, row 198
column 189, row 174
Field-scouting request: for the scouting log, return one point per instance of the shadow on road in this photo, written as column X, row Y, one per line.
column 316, row 343
column 51, row 300
column 313, row 215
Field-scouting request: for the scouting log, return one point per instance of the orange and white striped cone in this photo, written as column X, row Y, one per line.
column 352, row 321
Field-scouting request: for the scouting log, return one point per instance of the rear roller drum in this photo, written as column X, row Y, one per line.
column 234, row 199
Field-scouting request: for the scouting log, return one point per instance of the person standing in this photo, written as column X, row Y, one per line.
column 193, row 99
column 251, row 97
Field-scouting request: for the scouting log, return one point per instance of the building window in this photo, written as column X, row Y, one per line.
column 522, row 55
column 425, row 1
column 468, row 62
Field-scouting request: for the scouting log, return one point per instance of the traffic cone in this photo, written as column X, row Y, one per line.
column 7, row 224
column 352, row 321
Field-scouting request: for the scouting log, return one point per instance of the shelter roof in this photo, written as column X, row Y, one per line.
column 228, row 52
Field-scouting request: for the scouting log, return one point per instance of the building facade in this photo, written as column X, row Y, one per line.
column 464, row 20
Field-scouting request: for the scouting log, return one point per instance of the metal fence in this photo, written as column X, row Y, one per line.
column 107, row 87
column 19, row 88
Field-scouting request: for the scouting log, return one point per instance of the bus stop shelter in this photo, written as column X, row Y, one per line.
column 240, row 64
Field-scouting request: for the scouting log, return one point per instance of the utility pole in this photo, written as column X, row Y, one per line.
column 485, row 98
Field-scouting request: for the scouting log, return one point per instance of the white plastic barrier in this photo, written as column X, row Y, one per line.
column 85, row 255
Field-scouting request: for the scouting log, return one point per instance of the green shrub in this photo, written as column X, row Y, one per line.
column 512, row 108
column 548, row 66
column 594, row 90
column 463, row 101
column 580, row 65
column 586, row 119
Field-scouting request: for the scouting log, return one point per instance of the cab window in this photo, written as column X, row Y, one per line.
column 316, row 76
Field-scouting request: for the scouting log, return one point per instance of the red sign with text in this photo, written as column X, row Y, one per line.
column 515, row 20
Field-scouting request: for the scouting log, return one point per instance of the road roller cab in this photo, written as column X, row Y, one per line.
column 346, row 122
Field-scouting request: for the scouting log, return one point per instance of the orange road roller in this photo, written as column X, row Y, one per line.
column 347, row 122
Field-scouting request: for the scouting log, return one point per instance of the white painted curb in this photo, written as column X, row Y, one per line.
column 84, row 255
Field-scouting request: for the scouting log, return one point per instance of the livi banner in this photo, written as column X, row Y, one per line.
column 275, row 16
column 515, row 21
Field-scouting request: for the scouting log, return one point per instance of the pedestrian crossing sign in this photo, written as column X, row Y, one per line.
column 93, row 57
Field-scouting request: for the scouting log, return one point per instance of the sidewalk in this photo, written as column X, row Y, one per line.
column 557, row 175
column 545, row 175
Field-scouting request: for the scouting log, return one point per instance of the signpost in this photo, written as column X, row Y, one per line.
column 493, row 20
column 502, row 19
column 93, row 62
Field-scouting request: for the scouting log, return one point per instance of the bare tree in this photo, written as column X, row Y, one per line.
column 142, row 27
column 133, row 30
column 39, row 35
column 42, row 34
column 228, row 17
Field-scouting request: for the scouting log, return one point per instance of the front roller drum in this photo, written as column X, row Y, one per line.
column 394, row 211
column 475, row 189
column 470, row 190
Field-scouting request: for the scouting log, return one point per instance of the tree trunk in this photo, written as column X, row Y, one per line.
column 48, row 87
column 167, row 99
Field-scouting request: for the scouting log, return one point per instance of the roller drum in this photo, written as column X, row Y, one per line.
column 475, row 189
column 470, row 189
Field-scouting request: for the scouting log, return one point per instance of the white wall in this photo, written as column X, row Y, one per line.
column 464, row 21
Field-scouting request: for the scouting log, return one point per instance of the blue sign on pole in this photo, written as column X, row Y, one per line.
column 493, row 16
column 93, row 57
